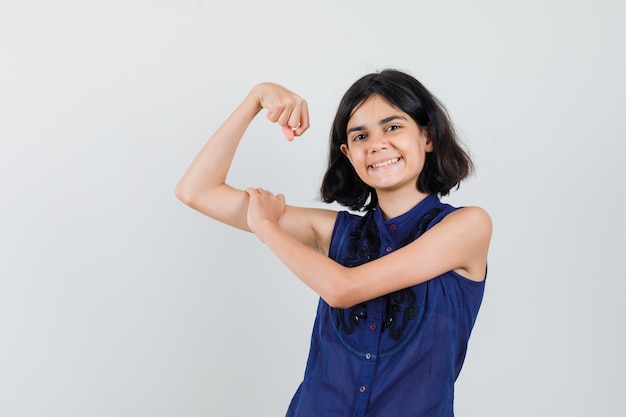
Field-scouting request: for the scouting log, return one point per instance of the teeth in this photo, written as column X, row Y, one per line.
column 385, row 163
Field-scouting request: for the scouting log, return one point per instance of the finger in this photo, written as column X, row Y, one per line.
column 254, row 191
column 291, row 111
column 295, row 115
column 303, row 120
column 285, row 115
column 274, row 114
column 278, row 114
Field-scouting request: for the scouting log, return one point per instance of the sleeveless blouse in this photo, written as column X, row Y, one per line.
column 397, row 355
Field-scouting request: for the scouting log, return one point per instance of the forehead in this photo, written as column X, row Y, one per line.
column 372, row 110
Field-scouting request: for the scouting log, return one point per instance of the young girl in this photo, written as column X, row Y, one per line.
column 400, row 284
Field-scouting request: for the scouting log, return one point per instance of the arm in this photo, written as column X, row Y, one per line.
column 203, row 187
column 459, row 242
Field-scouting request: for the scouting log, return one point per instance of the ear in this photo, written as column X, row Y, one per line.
column 346, row 151
column 429, row 147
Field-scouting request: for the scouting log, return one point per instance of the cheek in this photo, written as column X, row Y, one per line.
column 352, row 157
column 356, row 161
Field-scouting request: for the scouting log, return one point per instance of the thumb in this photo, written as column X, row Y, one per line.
column 288, row 132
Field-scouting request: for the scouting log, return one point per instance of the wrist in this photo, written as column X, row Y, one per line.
column 266, row 229
column 256, row 95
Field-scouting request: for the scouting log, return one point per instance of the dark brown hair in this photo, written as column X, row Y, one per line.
column 444, row 168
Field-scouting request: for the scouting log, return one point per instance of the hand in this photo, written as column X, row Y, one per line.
column 284, row 107
column 264, row 207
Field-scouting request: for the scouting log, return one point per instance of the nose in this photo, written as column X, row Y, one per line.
column 377, row 142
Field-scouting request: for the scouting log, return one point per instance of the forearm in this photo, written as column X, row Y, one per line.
column 210, row 167
column 459, row 243
column 331, row 280
column 203, row 186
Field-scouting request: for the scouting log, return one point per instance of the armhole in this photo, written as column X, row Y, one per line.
column 339, row 234
column 447, row 209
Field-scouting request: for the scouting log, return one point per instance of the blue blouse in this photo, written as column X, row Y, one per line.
column 397, row 355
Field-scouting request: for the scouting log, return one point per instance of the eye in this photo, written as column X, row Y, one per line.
column 359, row 137
column 391, row 128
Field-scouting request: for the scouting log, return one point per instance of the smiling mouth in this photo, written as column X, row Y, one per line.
column 385, row 163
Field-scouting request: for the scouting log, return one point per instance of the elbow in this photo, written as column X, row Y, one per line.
column 184, row 194
column 339, row 302
column 333, row 301
column 180, row 194
column 340, row 295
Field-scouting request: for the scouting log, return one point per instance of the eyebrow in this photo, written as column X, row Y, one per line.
column 380, row 123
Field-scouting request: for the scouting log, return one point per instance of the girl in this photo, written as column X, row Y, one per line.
column 401, row 283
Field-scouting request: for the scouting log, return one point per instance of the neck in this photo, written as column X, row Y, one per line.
column 395, row 204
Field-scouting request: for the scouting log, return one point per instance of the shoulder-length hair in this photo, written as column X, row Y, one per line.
column 444, row 168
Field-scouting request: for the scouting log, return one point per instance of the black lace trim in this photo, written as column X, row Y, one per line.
column 401, row 306
column 364, row 243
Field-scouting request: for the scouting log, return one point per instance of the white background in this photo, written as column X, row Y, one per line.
column 118, row 300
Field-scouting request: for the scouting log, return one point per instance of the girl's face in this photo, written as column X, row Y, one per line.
column 385, row 146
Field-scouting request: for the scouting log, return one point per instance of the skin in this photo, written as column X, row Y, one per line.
column 387, row 149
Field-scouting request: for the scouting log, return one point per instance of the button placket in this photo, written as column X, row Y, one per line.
column 371, row 334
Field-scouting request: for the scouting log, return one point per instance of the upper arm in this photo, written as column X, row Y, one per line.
column 311, row 226
column 460, row 242
column 222, row 203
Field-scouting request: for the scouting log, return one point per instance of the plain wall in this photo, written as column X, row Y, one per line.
column 118, row 300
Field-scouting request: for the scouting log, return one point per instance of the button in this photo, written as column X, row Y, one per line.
column 389, row 249
column 368, row 356
column 394, row 227
column 372, row 327
column 362, row 388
